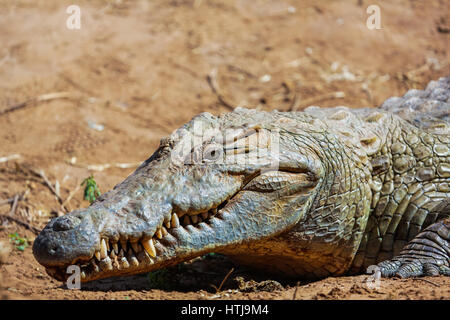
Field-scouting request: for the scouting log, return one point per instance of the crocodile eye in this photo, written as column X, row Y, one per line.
column 212, row 153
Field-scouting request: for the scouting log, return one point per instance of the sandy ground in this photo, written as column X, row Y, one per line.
column 98, row 99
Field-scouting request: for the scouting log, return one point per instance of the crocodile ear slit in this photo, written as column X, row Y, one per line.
column 278, row 180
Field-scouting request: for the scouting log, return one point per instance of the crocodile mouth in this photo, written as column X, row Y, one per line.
column 132, row 256
column 181, row 236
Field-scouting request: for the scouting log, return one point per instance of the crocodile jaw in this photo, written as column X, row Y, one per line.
column 167, row 212
column 131, row 236
column 182, row 237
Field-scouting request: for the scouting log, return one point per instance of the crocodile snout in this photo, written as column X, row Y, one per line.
column 65, row 239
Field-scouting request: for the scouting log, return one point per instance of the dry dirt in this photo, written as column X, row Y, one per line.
column 102, row 96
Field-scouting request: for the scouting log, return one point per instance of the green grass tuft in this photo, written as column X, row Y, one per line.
column 91, row 190
column 19, row 242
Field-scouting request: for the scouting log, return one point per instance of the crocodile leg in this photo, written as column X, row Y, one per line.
column 428, row 254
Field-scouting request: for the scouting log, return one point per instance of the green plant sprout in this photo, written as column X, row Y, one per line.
column 19, row 243
column 91, row 190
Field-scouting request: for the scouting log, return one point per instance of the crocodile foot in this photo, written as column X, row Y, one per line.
column 425, row 255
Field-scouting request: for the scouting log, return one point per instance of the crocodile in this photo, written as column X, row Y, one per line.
column 306, row 194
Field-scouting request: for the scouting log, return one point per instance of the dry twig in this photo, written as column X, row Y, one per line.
column 38, row 99
column 101, row 167
column 10, row 216
column 223, row 281
column 6, row 201
column 312, row 100
column 71, row 194
column 9, row 158
column 14, row 205
column 42, row 175
column 13, row 199
column 426, row 280
column 295, row 291
column 22, row 223
column 212, row 81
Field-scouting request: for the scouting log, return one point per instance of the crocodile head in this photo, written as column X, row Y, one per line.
column 215, row 184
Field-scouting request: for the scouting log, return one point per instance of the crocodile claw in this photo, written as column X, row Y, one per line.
column 415, row 268
column 426, row 255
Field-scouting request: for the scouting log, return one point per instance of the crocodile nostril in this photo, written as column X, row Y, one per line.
column 66, row 223
column 53, row 250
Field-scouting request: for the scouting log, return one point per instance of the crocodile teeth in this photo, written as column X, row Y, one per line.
column 83, row 275
column 167, row 223
column 103, row 249
column 194, row 219
column 115, row 247
column 96, row 268
column 174, row 223
column 135, row 247
column 144, row 256
column 164, row 231
column 106, row 264
column 180, row 214
column 112, row 254
column 149, row 247
column 125, row 263
column 205, row 215
column 158, row 233
column 186, row 220
column 134, row 261
column 123, row 243
column 97, row 255
column 116, row 264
